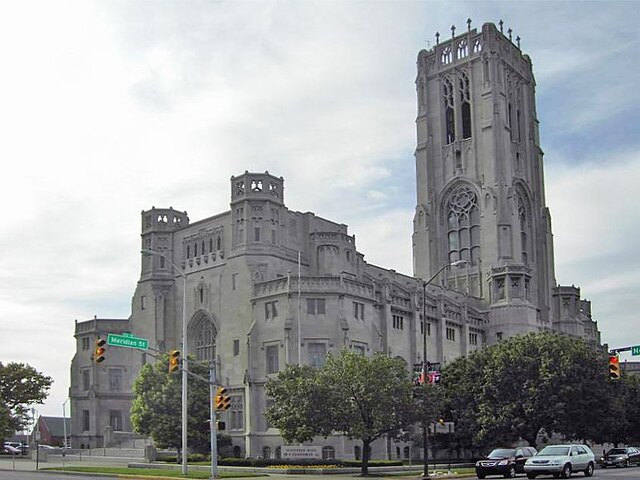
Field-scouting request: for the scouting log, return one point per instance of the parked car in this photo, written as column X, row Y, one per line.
column 620, row 457
column 504, row 461
column 11, row 449
column 561, row 461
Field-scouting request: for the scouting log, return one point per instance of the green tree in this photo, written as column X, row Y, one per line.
column 527, row 383
column 156, row 410
column 21, row 386
column 362, row 397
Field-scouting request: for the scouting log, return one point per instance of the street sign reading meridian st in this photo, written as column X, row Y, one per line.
column 635, row 350
column 127, row 341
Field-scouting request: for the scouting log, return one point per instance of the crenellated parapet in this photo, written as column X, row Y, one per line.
column 316, row 284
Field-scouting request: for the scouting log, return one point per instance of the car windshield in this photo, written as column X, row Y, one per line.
column 552, row 451
column 502, row 453
column 617, row 451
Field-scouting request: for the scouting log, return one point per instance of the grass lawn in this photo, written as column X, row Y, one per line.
column 152, row 472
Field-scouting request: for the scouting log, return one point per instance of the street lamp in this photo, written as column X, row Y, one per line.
column 64, row 428
column 145, row 251
column 425, row 454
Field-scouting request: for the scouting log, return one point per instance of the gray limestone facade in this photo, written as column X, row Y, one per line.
column 265, row 286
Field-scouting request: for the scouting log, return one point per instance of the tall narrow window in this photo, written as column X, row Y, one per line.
column 463, row 222
column 524, row 228
column 449, row 116
column 86, row 424
column 236, row 414
column 115, row 420
column 115, row 379
column 270, row 310
column 463, row 49
column 465, row 105
column 272, row 359
column 446, row 56
column 204, row 334
column 317, row 354
column 86, row 379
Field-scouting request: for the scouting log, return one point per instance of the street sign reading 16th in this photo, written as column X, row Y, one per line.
column 127, row 341
column 635, row 350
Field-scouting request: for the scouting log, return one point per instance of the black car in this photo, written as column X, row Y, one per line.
column 620, row 457
column 504, row 461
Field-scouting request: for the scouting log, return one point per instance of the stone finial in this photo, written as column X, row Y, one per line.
column 518, row 41
column 509, row 32
column 468, row 24
column 453, row 31
column 501, row 23
column 437, row 38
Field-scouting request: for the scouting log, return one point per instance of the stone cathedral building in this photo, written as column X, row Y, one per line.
column 267, row 286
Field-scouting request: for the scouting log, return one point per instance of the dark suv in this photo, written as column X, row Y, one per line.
column 620, row 457
column 504, row 461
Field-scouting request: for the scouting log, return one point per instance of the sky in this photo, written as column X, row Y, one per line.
column 108, row 108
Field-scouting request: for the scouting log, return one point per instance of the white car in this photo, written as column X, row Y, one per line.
column 12, row 450
column 561, row 461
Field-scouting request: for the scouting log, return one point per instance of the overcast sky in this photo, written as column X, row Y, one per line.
column 111, row 107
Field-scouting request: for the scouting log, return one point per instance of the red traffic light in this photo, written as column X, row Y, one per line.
column 614, row 367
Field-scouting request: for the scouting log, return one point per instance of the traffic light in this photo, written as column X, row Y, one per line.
column 614, row 366
column 174, row 361
column 221, row 401
column 98, row 353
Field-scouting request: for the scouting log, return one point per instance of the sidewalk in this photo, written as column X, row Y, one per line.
column 28, row 464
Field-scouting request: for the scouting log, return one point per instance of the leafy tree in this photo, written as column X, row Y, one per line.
column 519, row 386
column 156, row 410
column 363, row 397
column 619, row 418
column 21, row 386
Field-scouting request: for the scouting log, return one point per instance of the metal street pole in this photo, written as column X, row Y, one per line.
column 185, row 364
column 425, row 368
column 64, row 429
column 212, row 420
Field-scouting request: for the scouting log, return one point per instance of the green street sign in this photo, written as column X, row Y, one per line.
column 127, row 341
column 635, row 350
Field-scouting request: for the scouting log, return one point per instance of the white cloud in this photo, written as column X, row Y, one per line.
column 109, row 108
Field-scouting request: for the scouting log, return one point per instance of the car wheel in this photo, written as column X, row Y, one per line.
column 531, row 475
column 511, row 473
column 603, row 466
column 566, row 471
column 589, row 471
column 481, row 475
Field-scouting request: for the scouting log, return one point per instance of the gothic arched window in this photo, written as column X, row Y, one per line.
column 446, row 56
column 524, row 230
column 463, row 49
column 203, row 335
column 463, row 226
column 465, row 105
column 449, row 115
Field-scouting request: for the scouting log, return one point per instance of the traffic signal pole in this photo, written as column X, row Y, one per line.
column 212, row 420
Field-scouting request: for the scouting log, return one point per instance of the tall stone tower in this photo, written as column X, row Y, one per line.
column 480, row 185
